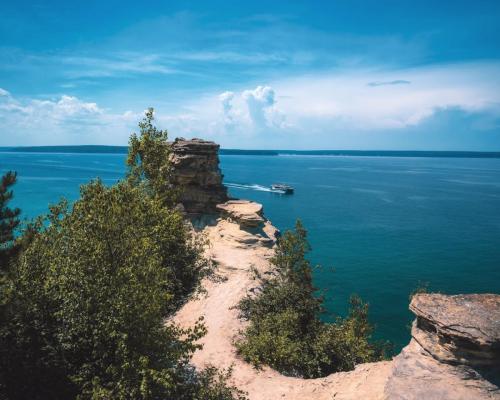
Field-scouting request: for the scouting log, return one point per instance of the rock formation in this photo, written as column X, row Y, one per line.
column 197, row 174
column 246, row 213
column 463, row 329
column 454, row 352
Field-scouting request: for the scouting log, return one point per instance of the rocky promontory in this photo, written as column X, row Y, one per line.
column 197, row 175
column 453, row 353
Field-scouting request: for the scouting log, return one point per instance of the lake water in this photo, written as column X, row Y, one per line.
column 385, row 224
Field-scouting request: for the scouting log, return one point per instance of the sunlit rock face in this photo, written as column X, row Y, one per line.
column 197, row 175
column 454, row 352
column 461, row 329
column 245, row 213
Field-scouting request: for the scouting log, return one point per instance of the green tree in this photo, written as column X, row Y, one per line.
column 148, row 160
column 9, row 220
column 91, row 293
column 285, row 330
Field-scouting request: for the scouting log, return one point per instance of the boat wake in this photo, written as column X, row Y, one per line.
column 258, row 188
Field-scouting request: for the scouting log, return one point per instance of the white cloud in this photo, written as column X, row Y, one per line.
column 230, row 57
column 115, row 65
column 66, row 120
column 259, row 101
column 343, row 100
column 249, row 111
column 394, row 82
column 66, row 106
column 341, row 103
column 292, row 110
column 226, row 99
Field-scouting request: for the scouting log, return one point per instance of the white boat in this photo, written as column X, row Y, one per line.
column 280, row 187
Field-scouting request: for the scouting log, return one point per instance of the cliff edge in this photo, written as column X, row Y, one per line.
column 453, row 353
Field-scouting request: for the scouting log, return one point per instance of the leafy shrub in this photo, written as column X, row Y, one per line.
column 148, row 160
column 285, row 330
column 90, row 294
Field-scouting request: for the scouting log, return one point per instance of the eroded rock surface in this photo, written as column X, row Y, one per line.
column 454, row 350
column 197, row 174
column 245, row 213
column 461, row 329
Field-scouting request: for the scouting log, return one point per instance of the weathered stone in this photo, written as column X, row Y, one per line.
column 245, row 213
column 197, row 174
column 461, row 329
column 454, row 350
column 416, row 375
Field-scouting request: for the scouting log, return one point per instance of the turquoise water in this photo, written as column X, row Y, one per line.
column 385, row 224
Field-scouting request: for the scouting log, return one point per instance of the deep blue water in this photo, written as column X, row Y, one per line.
column 385, row 224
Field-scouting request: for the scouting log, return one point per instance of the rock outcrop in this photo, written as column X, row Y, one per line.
column 454, row 353
column 245, row 213
column 197, row 174
column 243, row 223
column 463, row 329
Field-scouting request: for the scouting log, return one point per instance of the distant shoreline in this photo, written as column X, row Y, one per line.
column 98, row 149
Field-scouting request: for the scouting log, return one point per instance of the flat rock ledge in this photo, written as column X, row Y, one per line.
column 243, row 212
column 242, row 222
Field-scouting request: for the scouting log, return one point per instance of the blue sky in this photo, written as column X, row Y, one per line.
column 260, row 74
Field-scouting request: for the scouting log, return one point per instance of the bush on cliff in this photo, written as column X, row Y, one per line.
column 285, row 330
column 148, row 160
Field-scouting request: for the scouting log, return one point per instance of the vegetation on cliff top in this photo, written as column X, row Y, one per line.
column 84, row 303
column 9, row 220
column 148, row 160
column 285, row 330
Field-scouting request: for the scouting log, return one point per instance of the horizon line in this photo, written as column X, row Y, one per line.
column 121, row 149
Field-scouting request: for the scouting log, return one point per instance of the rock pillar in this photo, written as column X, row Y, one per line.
column 197, row 174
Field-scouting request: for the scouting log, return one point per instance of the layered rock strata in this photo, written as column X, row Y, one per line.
column 246, row 213
column 454, row 353
column 462, row 329
column 197, row 175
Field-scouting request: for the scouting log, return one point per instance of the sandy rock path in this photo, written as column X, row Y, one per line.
column 236, row 251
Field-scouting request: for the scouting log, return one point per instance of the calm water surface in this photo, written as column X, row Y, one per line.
column 384, row 224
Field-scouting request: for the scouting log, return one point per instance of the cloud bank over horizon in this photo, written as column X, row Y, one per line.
column 293, row 111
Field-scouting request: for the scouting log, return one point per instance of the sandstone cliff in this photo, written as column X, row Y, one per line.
column 453, row 353
column 197, row 174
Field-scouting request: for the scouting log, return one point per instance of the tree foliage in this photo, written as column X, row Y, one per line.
column 9, row 220
column 91, row 292
column 85, row 310
column 285, row 330
column 148, row 159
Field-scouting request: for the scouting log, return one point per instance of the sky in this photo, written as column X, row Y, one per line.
column 394, row 75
